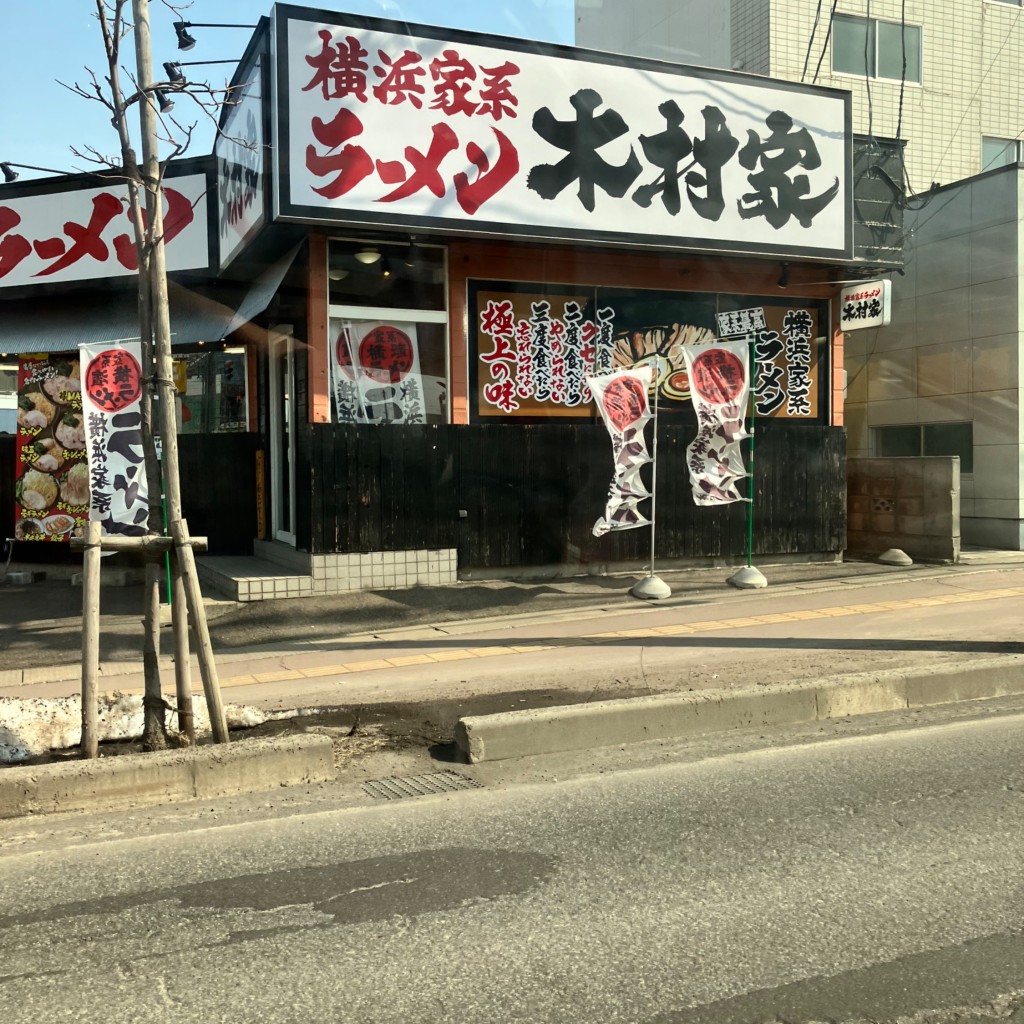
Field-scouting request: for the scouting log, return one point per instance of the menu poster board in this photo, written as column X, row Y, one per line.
column 532, row 346
column 535, row 347
column 51, row 473
column 789, row 356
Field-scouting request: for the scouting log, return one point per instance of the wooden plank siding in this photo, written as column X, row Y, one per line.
column 529, row 495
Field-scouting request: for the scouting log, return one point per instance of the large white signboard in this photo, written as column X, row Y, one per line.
column 87, row 233
column 469, row 132
column 240, row 166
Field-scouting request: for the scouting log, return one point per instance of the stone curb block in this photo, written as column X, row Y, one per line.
column 130, row 780
column 674, row 716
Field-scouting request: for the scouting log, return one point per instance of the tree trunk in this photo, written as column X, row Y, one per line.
column 154, row 723
column 164, row 372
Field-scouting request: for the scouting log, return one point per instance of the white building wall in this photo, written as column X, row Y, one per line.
column 680, row 31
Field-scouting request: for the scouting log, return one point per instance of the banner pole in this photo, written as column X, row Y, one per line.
column 654, row 477
column 753, row 432
column 749, row 578
column 651, row 587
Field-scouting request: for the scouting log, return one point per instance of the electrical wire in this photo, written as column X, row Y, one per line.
column 974, row 95
column 903, row 71
column 869, row 36
column 828, row 36
column 810, row 42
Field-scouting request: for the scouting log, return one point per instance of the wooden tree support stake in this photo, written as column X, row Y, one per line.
column 91, row 567
column 182, row 664
column 197, row 616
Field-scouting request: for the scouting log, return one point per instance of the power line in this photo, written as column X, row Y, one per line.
column 970, row 102
column 810, row 42
column 828, row 36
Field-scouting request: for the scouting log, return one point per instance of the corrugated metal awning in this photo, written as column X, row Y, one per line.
column 62, row 323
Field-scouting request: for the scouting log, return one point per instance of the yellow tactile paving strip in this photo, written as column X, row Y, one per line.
column 678, row 629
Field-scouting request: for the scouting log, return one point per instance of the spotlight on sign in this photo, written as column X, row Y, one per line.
column 185, row 40
column 9, row 173
column 166, row 103
column 173, row 71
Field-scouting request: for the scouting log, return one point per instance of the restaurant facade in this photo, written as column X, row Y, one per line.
column 392, row 279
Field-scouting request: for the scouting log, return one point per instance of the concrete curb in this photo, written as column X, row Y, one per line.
column 132, row 780
column 674, row 716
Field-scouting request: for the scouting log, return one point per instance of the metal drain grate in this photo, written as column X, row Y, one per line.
column 418, row 785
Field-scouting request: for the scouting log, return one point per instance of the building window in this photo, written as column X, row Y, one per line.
column 388, row 333
column 213, row 399
column 8, row 397
column 875, row 49
column 916, row 439
column 1000, row 152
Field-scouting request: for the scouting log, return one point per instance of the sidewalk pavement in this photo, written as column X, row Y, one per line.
column 40, row 623
column 556, row 665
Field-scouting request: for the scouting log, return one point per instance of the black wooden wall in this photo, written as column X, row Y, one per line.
column 529, row 494
column 218, row 486
column 508, row 496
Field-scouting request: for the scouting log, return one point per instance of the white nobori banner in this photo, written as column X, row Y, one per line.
column 112, row 381
column 719, row 389
column 622, row 399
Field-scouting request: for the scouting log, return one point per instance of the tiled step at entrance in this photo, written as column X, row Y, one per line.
column 247, row 578
column 276, row 572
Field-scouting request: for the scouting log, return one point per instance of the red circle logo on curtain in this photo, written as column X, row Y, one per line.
column 625, row 401
column 716, row 376
column 113, row 380
column 386, row 354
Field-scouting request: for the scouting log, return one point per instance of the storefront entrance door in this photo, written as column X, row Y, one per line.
column 282, row 434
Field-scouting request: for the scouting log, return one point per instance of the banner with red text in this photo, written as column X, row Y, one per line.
column 622, row 400
column 719, row 389
column 112, row 383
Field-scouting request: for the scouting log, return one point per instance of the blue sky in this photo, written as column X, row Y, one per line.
column 47, row 40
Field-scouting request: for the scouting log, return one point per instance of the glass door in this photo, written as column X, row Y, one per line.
column 283, row 421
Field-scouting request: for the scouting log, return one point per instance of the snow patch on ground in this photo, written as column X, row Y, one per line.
column 31, row 726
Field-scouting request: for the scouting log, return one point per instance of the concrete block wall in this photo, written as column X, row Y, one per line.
column 910, row 504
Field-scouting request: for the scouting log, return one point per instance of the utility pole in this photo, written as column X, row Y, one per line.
column 156, row 270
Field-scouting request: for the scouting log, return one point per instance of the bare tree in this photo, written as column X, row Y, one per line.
column 144, row 184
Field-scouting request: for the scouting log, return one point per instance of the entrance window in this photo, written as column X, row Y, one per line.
column 388, row 333
column 214, row 399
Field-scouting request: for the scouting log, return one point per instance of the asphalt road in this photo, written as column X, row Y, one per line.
column 868, row 877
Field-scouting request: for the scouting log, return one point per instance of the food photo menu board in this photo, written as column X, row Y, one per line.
column 52, row 475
